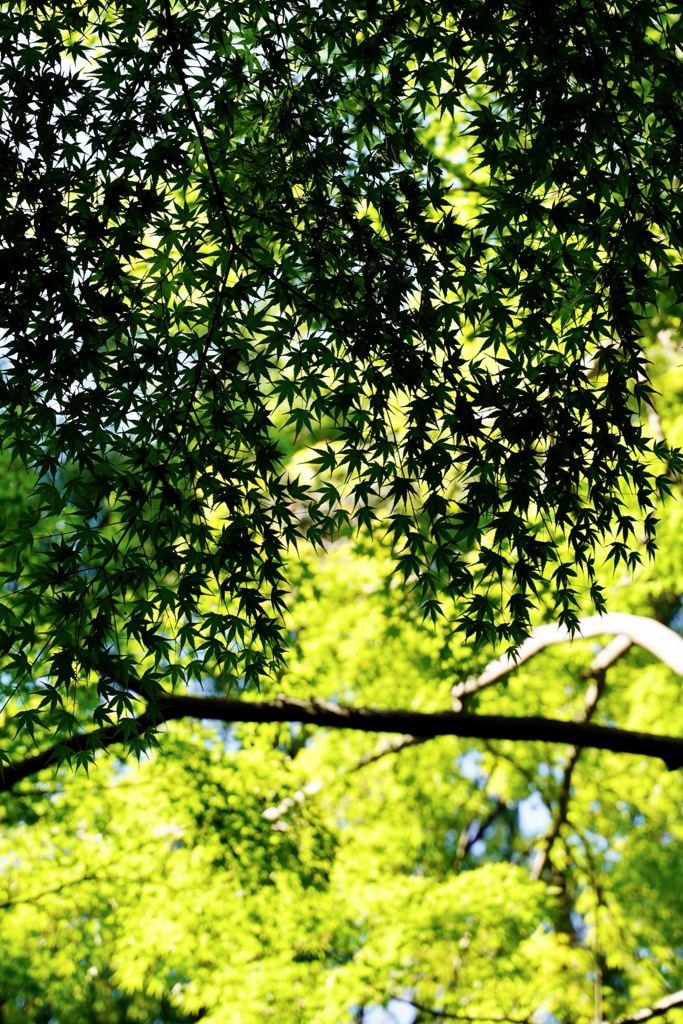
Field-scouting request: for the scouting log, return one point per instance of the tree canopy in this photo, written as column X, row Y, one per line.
column 340, row 397
column 420, row 239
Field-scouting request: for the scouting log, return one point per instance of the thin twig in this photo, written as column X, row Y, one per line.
column 388, row 747
column 592, row 697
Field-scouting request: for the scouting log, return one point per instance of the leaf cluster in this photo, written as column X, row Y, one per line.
column 222, row 222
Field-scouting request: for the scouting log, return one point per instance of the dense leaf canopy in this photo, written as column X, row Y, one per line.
column 420, row 238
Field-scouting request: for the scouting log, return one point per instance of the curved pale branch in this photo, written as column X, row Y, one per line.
column 337, row 716
column 670, row 1002
column 627, row 629
column 658, row 1010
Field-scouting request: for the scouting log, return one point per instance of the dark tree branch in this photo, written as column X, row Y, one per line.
column 98, row 739
column 454, row 1015
column 34, row 898
column 168, row 707
column 490, row 819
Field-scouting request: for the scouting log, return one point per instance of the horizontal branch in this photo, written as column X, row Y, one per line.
column 170, row 707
